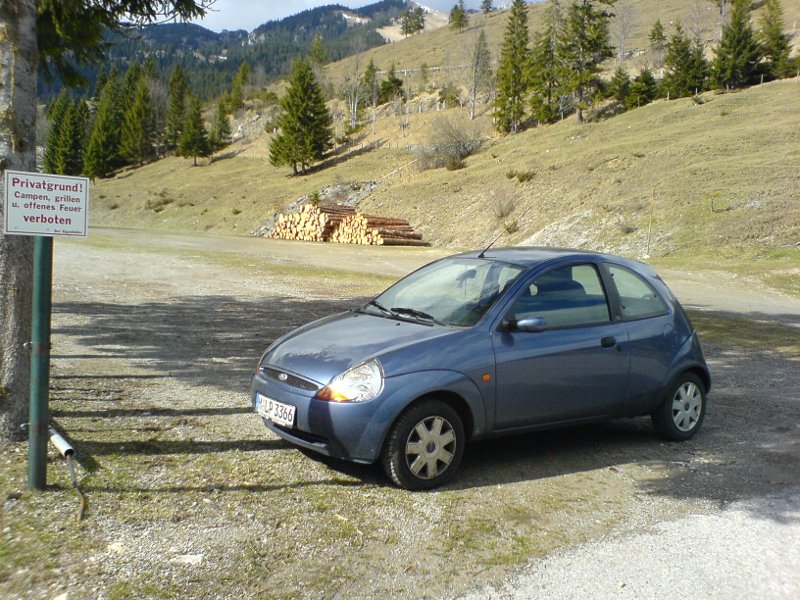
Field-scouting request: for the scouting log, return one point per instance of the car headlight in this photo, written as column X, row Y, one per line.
column 359, row 384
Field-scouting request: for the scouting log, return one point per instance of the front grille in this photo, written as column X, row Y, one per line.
column 289, row 379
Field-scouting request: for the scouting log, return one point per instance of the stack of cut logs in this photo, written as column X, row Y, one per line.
column 376, row 231
column 311, row 223
column 342, row 224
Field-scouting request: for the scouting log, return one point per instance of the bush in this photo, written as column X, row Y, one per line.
column 448, row 96
column 504, row 205
column 449, row 143
column 522, row 176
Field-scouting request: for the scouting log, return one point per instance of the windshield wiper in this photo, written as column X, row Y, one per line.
column 379, row 306
column 413, row 312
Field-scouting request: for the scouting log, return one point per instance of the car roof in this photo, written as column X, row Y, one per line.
column 526, row 255
column 530, row 256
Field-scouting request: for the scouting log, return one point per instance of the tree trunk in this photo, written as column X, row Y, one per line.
column 18, row 63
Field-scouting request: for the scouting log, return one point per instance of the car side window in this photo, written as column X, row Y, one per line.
column 566, row 297
column 638, row 299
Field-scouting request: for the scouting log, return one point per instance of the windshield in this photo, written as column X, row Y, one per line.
column 453, row 291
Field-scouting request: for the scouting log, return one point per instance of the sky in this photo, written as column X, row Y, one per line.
column 249, row 14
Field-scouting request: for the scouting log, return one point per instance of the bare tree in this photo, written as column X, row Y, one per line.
column 480, row 70
column 698, row 21
column 721, row 6
column 624, row 22
column 355, row 94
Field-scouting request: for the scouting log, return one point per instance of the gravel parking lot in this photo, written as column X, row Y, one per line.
column 155, row 337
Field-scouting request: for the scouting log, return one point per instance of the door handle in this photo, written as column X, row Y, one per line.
column 608, row 342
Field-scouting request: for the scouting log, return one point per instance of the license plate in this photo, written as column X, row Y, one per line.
column 277, row 412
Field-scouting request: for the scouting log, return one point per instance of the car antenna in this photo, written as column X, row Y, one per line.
column 489, row 246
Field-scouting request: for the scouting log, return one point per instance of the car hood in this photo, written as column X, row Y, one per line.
column 323, row 349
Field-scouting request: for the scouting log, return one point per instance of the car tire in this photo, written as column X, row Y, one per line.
column 424, row 446
column 681, row 414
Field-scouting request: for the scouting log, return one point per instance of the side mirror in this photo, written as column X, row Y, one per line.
column 531, row 324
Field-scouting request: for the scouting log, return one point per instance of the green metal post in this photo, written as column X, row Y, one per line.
column 40, row 361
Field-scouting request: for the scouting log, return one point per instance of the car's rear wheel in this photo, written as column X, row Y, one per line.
column 683, row 409
column 425, row 446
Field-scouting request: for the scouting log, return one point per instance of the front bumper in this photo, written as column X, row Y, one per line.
column 342, row 430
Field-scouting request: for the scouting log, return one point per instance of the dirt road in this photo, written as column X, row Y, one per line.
column 155, row 337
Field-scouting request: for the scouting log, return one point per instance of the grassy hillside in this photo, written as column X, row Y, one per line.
column 444, row 47
column 673, row 179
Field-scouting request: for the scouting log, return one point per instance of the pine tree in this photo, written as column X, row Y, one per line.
column 643, row 90
column 194, row 139
column 658, row 41
column 102, row 154
column 620, row 84
column 317, row 55
column 176, row 111
column 774, row 43
column 371, row 83
column 55, row 115
column 458, row 17
column 130, row 83
column 391, row 87
column 686, row 67
column 102, row 77
column 71, row 140
column 547, row 71
column 584, row 47
column 486, row 6
column 513, row 72
column 150, row 68
column 220, row 135
column 305, row 124
column 418, row 18
column 237, row 96
column 137, row 142
column 736, row 58
column 412, row 21
column 480, row 69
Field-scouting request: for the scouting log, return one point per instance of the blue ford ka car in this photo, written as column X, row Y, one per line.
column 483, row 344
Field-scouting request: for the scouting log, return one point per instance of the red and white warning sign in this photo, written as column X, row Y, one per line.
column 39, row 204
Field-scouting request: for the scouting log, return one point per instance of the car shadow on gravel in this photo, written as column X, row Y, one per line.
column 200, row 340
column 553, row 453
column 749, row 447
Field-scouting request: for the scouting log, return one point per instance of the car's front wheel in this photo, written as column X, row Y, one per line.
column 683, row 409
column 425, row 446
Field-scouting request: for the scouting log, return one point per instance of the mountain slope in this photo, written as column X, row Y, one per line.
column 211, row 59
column 714, row 176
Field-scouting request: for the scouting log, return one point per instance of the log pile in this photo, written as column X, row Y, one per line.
column 342, row 224
column 311, row 223
column 376, row 231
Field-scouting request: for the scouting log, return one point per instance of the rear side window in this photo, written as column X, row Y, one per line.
column 567, row 297
column 638, row 299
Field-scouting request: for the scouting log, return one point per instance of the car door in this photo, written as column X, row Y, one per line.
column 575, row 366
column 652, row 338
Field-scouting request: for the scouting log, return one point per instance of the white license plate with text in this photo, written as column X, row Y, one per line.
column 277, row 412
